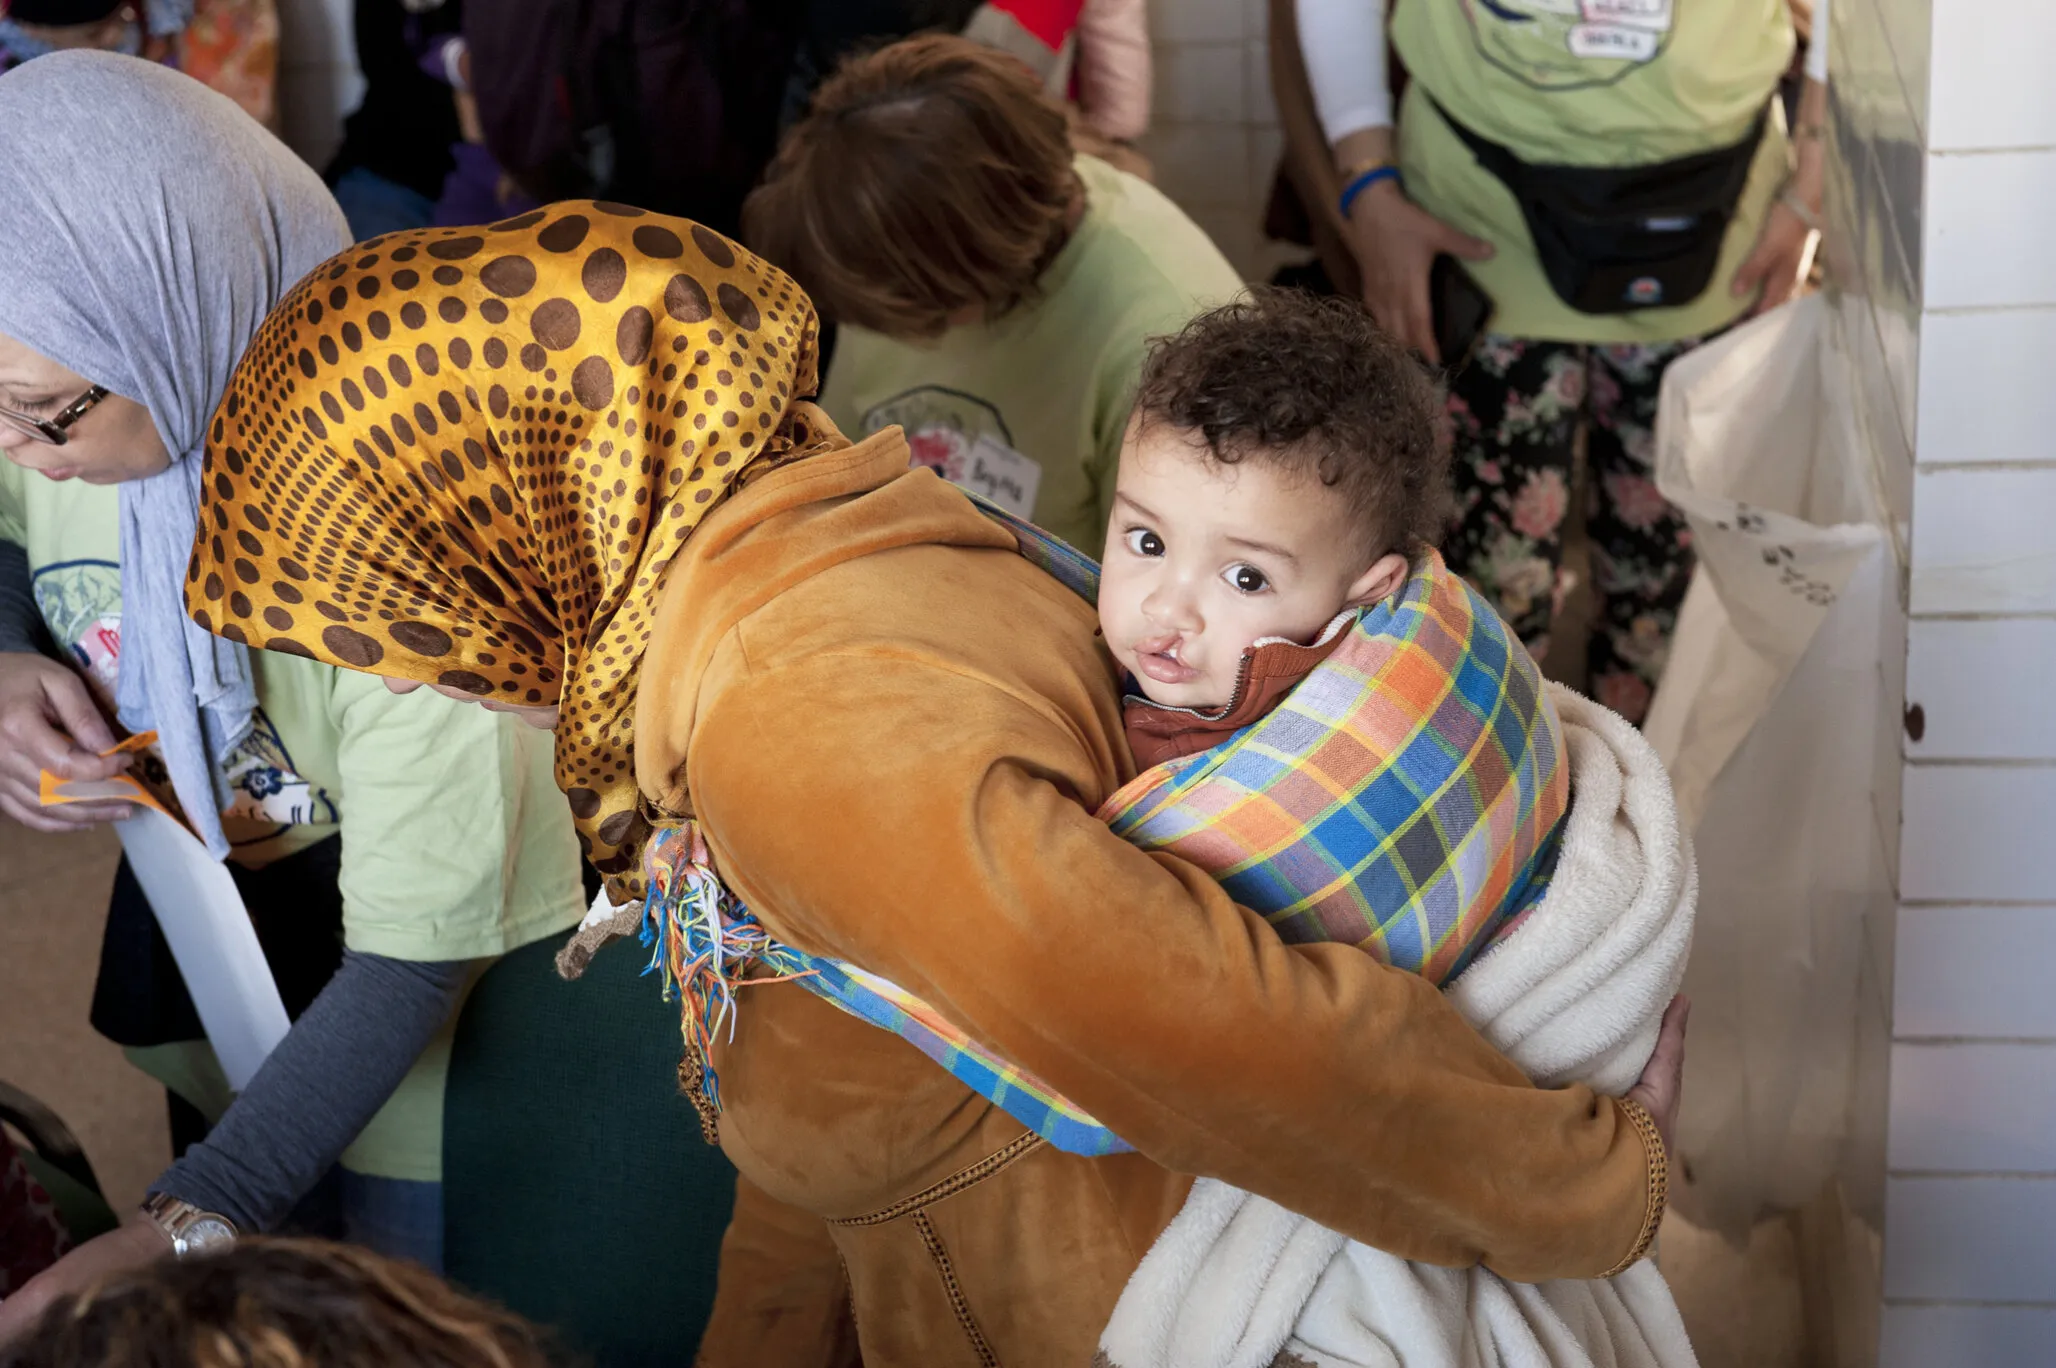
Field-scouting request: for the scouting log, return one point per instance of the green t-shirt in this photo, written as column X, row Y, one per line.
column 1029, row 410
column 456, row 842
column 1588, row 83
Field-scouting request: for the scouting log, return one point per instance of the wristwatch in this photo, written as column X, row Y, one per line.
column 190, row 1230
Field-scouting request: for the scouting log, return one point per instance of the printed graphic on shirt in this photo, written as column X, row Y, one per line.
column 81, row 604
column 963, row 439
column 1569, row 44
column 263, row 787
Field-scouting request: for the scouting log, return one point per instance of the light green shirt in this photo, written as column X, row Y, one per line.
column 1030, row 409
column 457, row 843
column 1635, row 82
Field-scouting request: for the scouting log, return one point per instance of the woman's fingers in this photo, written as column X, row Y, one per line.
column 1396, row 243
column 20, row 1312
column 73, row 706
column 1396, row 289
column 49, row 721
column 1749, row 276
column 1420, row 319
column 21, row 788
column 1771, row 270
column 1661, row 1088
column 1462, row 244
column 27, row 809
column 72, row 817
column 32, row 745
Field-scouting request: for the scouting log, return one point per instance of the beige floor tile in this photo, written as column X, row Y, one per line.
column 53, row 908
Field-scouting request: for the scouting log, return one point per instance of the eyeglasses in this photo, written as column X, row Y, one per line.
column 54, row 431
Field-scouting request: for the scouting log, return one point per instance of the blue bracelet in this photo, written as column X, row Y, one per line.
column 1364, row 182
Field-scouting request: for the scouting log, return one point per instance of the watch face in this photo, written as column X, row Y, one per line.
column 205, row 1234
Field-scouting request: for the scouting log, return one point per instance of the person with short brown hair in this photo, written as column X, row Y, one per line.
column 931, row 180
column 995, row 291
column 278, row 1304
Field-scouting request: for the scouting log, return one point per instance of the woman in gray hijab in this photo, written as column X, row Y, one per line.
column 384, row 845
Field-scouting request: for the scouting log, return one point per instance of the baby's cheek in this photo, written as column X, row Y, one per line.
column 1119, row 609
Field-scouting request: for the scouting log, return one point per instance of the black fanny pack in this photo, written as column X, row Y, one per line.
column 1616, row 239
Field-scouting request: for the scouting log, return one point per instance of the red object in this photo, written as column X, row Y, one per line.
column 1050, row 21
column 31, row 1235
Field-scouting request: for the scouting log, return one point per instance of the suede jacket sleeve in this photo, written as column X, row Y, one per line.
column 956, row 852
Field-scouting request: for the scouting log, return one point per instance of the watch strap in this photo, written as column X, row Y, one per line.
column 177, row 1218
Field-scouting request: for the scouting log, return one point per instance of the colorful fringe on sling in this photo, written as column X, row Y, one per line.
column 1405, row 798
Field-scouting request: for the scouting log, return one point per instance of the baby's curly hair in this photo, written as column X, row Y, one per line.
column 1311, row 384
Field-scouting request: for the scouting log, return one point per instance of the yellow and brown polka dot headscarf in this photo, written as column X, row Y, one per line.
column 466, row 457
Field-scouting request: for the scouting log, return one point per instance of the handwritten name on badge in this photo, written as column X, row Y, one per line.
column 1614, row 41
column 1003, row 475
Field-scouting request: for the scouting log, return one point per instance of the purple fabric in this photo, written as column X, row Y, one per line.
column 435, row 62
column 471, row 194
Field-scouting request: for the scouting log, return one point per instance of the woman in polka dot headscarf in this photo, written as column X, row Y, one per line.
column 465, row 457
column 562, row 462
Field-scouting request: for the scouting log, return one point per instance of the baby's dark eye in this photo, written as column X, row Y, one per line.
column 1248, row 579
column 1144, row 542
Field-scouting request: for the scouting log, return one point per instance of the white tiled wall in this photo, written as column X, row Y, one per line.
column 1977, row 1238
column 1927, row 1336
column 1971, row 356
column 1990, row 78
column 1955, row 988
column 1983, row 1105
column 1943, row 190
column 1982, row 543
column 2006, row 665
column 1214, row 136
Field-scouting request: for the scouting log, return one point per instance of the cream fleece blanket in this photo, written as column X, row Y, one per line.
column 1573, row 993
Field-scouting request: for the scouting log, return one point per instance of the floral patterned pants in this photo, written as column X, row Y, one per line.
column 1514, row 413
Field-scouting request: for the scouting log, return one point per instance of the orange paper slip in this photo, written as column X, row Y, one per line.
column 54, row 791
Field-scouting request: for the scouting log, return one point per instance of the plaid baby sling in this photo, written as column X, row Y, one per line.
column 1406, row 798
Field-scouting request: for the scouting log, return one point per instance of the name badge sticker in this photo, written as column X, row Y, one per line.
column 1003, row 475
column 1615, row 42
column 1654, row 15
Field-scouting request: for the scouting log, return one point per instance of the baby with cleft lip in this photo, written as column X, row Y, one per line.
column 1282, row 469
column 1351, row 740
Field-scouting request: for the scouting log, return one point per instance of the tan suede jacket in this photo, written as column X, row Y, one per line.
column 895, row 731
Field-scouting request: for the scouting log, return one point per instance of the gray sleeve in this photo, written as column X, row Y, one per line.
column 334, row 1070
column 21, row 625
